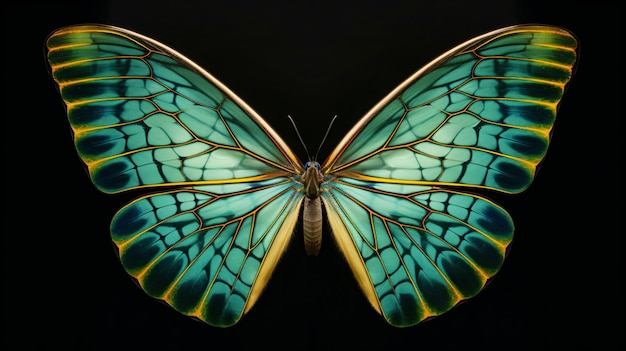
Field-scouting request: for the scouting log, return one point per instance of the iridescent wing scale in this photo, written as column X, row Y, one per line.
column 479, row 116
column 144, row 116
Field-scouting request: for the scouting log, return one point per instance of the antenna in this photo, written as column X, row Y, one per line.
column 302, row 142
column 325, row 135
column 308, row 156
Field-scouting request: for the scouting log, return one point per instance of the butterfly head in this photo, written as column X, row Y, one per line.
column 312, row 164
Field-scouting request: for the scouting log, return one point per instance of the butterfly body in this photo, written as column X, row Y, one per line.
column 312, row 211
column 400, row 191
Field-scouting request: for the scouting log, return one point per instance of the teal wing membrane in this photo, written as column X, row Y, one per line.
column 144, row 116
column 208, row 251
column 397, row 190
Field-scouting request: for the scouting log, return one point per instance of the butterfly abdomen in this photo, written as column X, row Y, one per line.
column 312, row 225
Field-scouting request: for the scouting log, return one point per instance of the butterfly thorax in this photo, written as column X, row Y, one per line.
column 312, row 178
column 312, row 213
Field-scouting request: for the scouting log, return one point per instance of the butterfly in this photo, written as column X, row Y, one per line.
column 400, row 191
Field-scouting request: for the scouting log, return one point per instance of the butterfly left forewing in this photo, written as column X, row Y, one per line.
column 143, row 115
column 479, row 116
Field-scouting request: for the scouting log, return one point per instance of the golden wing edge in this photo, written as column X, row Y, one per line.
column 279, row 246
column 353, row 257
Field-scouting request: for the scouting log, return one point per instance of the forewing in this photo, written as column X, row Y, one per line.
column 143, row 115
column 479, row 116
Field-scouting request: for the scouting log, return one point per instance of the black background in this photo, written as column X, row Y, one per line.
column 561, row 283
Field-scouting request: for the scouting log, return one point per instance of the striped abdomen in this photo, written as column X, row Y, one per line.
column 312, row 225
